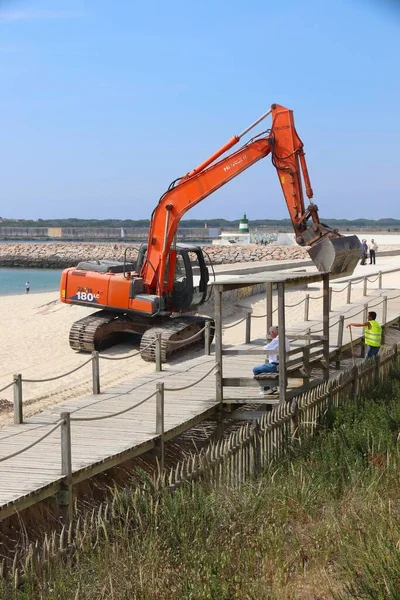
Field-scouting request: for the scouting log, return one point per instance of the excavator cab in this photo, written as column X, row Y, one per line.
column 190, row 278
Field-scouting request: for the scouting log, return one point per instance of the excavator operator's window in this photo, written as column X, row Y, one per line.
column 180, row 270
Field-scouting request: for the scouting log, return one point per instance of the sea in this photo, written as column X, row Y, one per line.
column 12, row 281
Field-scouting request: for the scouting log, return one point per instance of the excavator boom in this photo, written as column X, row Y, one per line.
column 330, row 251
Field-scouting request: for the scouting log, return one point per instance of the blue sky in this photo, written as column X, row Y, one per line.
column 104, row 103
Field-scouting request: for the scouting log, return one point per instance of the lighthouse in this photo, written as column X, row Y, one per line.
column 241, row 237
column 244, row 224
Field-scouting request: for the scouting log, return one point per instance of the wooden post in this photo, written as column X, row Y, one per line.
column 330, row 298
column 269, row 307
column 294, row 422
column 349, row 293
column 256, row 449
column 95, row 372
column 365, row 317
column 354, row 381
column 306, row 307
column 340, row 331
column 365, row 313
column 282, row 349
column 306, row 363
column 65, row 498
column 158, row 352
column 218, row 384
column 207, row 338
column 218, row 341
column 384, row 317
column 160, row 420
column 365, row 286
column 18, row 416
column 329, row 390
column 325, row 323
column 248, row 328
column 377, row 369
column 339, row 341
column 380, row 280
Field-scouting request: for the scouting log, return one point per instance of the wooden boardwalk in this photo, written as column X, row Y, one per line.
column 98, row 445
column 101, row 444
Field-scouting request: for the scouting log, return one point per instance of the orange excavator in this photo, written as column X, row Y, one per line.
column 170, row 280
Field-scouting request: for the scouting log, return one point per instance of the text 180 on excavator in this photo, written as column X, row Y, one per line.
column 170, row 280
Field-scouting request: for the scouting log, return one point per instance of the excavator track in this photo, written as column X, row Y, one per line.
column 101, row 330
column 176, row 329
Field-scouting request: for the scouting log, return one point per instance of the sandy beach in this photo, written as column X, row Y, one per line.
column 35, row 341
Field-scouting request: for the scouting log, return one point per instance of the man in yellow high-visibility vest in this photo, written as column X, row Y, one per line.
column 372, row 335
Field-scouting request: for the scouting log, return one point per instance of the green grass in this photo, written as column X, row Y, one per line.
column 324, row 523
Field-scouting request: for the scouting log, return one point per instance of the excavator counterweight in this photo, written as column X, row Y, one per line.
column 337, row 256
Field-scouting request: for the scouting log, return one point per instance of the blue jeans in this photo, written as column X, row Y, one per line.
column 265, row 368
column 371, row 351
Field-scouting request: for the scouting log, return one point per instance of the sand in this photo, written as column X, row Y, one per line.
column 35, row 342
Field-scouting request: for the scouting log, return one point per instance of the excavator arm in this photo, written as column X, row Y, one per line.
column 339, row 254
column 189, row 192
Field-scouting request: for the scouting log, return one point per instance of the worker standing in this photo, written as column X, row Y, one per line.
column 372, row 335
column 364, row 251
column 372, row 252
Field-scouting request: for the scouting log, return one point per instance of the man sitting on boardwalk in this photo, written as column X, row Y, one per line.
column 271, row 365
column 372, row 334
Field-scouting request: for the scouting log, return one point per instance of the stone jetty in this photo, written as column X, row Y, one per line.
column 61, row 255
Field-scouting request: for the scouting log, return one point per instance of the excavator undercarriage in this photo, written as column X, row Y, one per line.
column 104, row 328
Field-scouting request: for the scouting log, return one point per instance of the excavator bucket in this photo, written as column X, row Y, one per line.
column 336, row 256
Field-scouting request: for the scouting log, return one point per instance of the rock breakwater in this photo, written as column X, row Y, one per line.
column 62, row 255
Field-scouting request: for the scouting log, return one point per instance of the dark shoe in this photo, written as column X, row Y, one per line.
column 271, row 391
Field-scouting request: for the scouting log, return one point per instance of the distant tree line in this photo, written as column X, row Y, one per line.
column 220, row 223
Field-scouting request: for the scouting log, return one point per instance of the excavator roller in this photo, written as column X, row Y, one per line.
column 337, row 256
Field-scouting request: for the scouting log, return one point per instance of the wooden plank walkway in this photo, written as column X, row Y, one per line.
column 100, row 445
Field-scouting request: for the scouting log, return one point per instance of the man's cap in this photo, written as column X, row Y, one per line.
column 273, row 329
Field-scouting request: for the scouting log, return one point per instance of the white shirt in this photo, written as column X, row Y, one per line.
column 274, row 345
